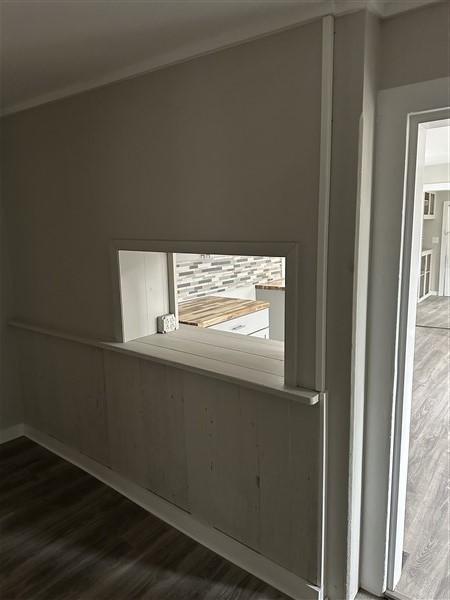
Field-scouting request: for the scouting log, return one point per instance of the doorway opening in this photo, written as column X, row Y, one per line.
column 419, row 556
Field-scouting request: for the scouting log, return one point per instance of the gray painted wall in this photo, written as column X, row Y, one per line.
column 223, row 147
column 11, row 412
column 415, row 46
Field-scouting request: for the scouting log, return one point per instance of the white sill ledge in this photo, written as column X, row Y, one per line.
column 245, row 361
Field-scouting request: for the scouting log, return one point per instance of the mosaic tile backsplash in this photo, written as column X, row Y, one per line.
column 216, row 273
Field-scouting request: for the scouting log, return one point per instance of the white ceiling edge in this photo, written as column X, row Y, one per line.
column 437, row 187
column 306, row 12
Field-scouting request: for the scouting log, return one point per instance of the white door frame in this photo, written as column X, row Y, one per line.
column 445, row 228
column 396, row 107
column 418, row 125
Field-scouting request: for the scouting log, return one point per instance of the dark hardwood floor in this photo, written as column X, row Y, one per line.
column 64, row 535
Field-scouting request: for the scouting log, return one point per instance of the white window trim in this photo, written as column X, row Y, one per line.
column 287, row 249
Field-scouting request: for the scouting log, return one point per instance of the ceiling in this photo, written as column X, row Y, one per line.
column 54, row 48
column 437, row 146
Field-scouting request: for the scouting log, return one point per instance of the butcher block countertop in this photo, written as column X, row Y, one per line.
column 212, row 310
column 277, row 284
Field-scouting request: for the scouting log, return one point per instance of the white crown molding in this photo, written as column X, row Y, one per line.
column 304, row 12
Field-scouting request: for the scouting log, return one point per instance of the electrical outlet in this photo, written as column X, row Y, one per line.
column 435, row 240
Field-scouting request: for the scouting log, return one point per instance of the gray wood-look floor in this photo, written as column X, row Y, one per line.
column 425, row 574
column 65, row 536
column 434, row 311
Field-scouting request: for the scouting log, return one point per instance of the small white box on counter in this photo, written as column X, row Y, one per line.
column 166, row 323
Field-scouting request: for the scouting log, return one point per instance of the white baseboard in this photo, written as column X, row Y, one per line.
column 430, row 293
column 11, row 433
column 218, row 542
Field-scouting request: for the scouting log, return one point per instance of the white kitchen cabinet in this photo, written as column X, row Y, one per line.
column 247, row 324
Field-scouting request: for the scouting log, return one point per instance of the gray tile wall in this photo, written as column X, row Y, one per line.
column 204, row 277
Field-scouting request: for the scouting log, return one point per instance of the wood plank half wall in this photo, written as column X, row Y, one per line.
column 241, row 461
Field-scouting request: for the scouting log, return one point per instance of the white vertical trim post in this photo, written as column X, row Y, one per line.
column 323, row 489
column 291, row 350
column 116, row 293
column 172, row 283
column 322, row 257
column 324, row 197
